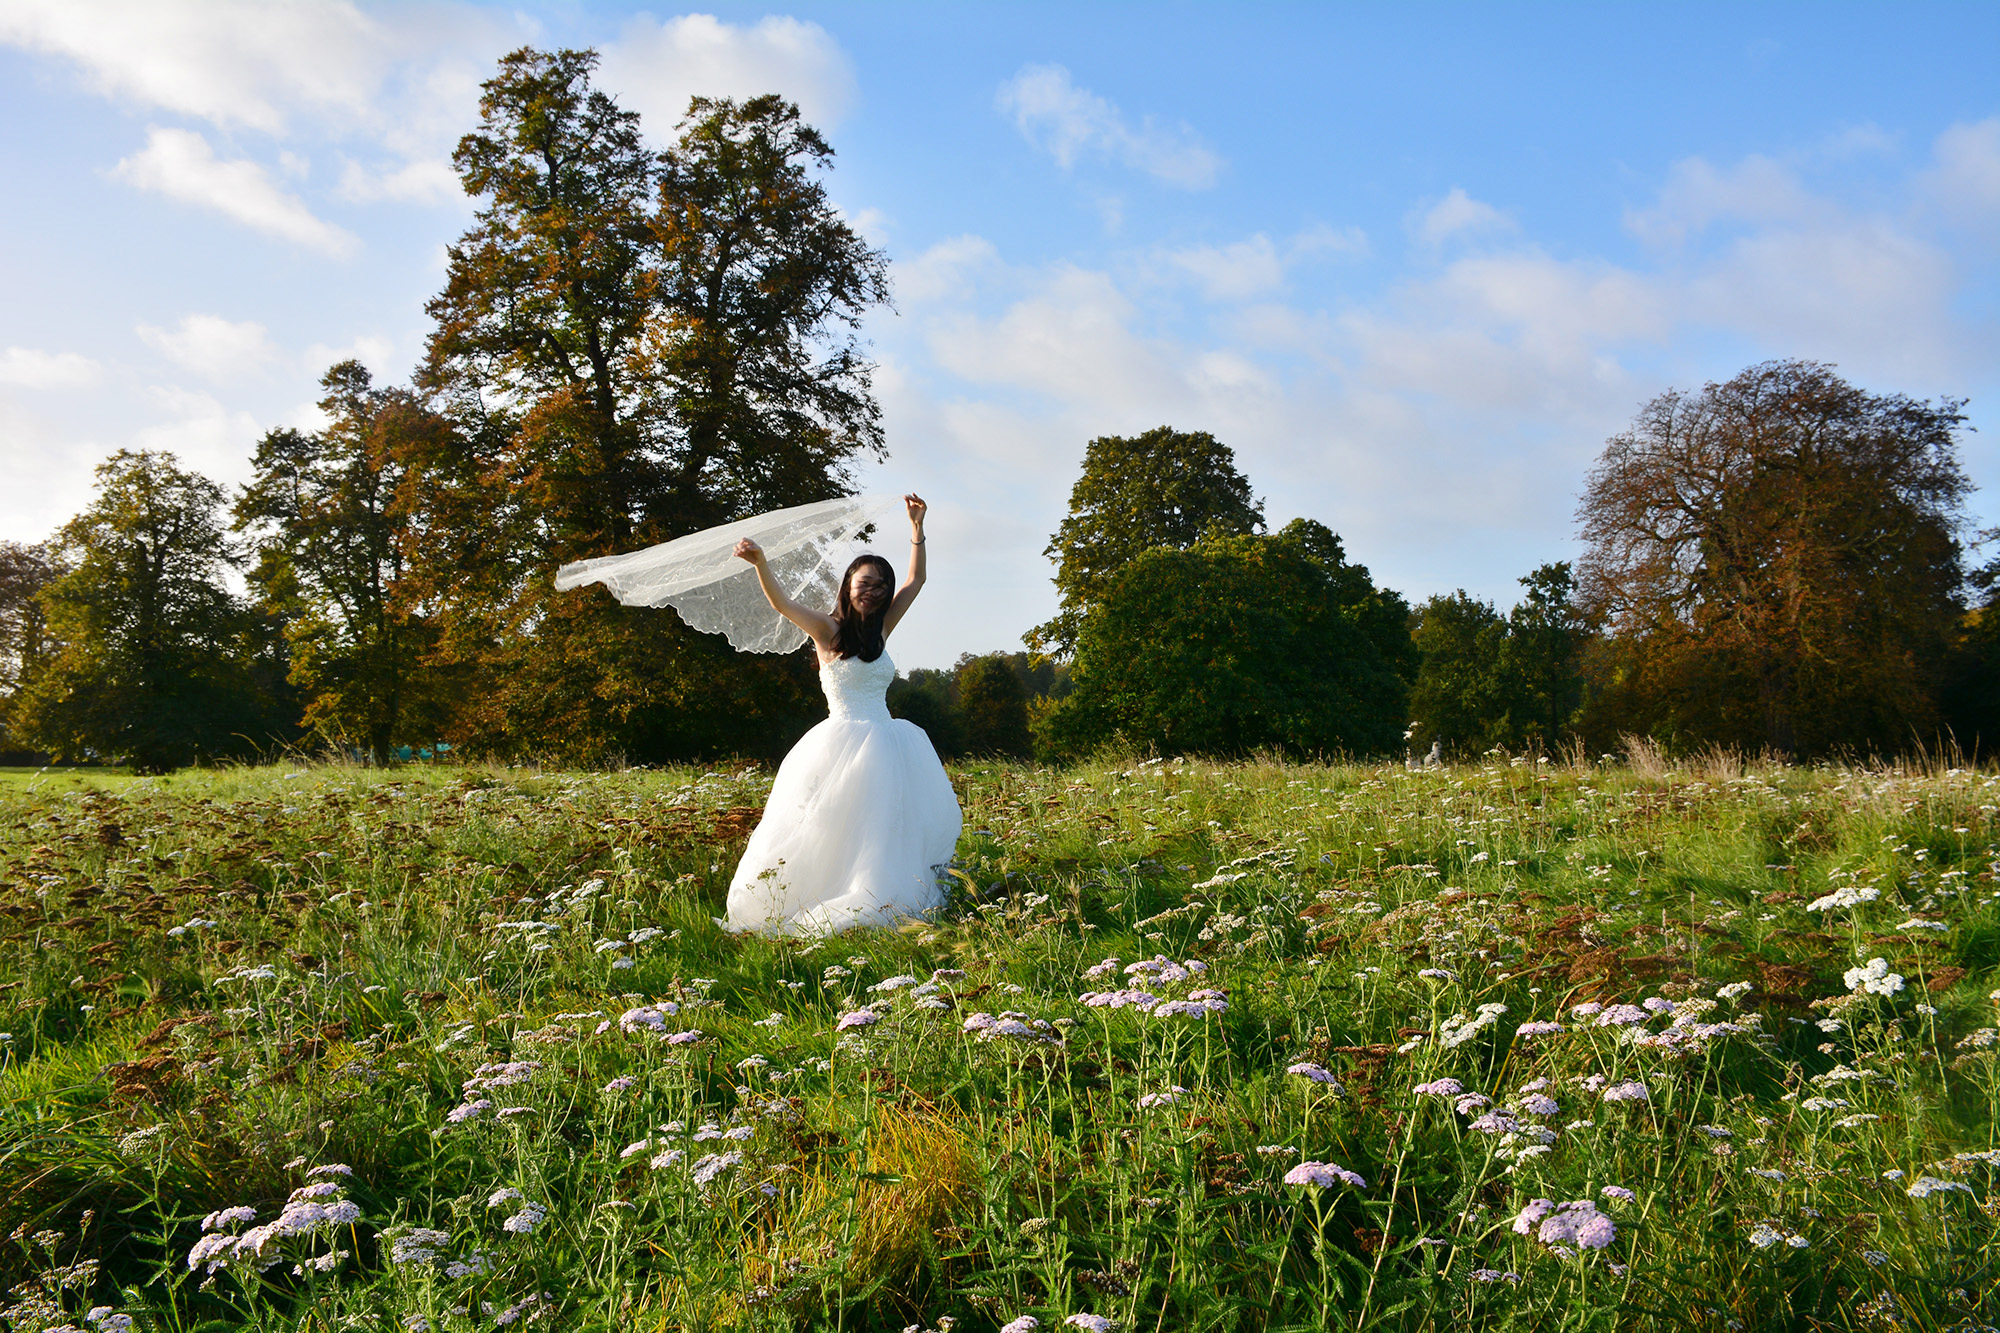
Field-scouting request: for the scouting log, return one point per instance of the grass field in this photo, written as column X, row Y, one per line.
column 1196, row 1046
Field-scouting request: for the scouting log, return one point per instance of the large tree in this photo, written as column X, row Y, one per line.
column 1775, row 561
column 1240, row 643
column 634, row 345
column 155, row 662
column 1164, row 488
column 331, row 550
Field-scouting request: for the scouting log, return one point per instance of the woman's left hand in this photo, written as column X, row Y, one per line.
column 914, row 503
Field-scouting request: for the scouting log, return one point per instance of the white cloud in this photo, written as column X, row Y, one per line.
column 1458, row 213
column 1697, row 195
column 655, row 67
column 181, row 165
column 1864, row 293
column 1327, row 240
column 212, row 346
column 945, row 270
column 1966, row 180
column 428, row 180
column 29, row 368
column 232, row 62
column 1235, row 271
column 1244, row 269
column 1067, row 121
column 1069, row 339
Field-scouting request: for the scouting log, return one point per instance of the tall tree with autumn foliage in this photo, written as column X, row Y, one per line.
column 1775, row 563
column 634, row 345
column 331, row 547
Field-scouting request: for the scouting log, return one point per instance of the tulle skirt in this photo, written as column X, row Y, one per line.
column 860, row 819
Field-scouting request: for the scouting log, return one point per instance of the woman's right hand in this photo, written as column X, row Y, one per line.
column 749, row 550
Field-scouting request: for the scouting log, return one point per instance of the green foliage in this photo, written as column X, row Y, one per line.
column 221, row 981
column 1458, row 696
column 1237, row 644
column 331, row 551
column 929, row 698
column 1163, row 488
column 994, row 704
column 995, row 717
column 633, row 346
column 1775, row 563
column 1487, row 680
column 24, row 636
column 155, row 662
column 1972, row 682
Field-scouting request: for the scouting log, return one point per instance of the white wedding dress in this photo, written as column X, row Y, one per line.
column 860, row 819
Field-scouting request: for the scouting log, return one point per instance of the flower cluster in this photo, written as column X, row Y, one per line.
column 1009, row 1024
column 1577, row 1223
column 1873, row 978
column 1458, row 1029
column 1323, row 1175
column 314, row 1210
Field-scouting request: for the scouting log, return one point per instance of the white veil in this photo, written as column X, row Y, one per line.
column 808, row 548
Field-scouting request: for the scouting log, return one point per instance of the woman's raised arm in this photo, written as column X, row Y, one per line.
column 818, row 626
column 913, row 580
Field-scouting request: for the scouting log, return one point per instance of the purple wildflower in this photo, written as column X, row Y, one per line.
column 1626, row 1092
column 524, row 1222
column 621, row 1083
column 1621, row 1015
column 688, row 1038
column 458, row 1115
column 1618, row 1192
column 1091, row 1323
column 1539, row 1028
column 1526, row 1220
column 228, row 1217
column 1322, row 1175
column 1472, row 1101
column 1539, row 1103
column 713, row 1165
column 1575, row 1223
column 1317, row 1073
column 860, row 1018
column 1027, row 1323
column 1103, row 969
column 1439, row 1087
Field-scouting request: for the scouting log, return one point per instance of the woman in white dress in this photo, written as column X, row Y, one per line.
column 861, row 815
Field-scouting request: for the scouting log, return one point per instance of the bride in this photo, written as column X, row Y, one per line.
column 861, row 814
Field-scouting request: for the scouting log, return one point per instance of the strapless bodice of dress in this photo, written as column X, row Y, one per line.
column 857, row 691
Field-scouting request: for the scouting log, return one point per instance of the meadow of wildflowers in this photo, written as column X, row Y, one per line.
column 1196, row 1046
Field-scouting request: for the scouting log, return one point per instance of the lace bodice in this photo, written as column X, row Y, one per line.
column 856, row 689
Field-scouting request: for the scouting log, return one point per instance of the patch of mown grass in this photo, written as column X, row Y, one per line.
column 561, row 1093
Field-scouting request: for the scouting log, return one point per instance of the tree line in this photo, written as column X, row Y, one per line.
column 1777, row 563
column 633, row 343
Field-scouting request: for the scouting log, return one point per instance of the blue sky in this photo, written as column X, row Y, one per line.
column 1414, row 263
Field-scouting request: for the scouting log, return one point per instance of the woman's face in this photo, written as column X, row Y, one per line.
column 867, row 590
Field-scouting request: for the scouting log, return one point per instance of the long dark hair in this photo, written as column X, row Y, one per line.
column 856, row 635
